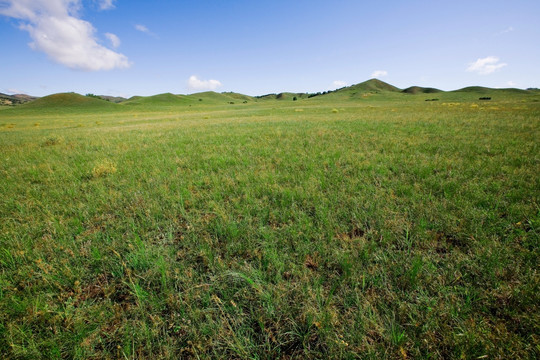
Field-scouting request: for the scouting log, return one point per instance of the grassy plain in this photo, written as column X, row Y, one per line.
column 369, row 225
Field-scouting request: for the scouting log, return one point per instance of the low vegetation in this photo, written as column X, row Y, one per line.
column 364, row 223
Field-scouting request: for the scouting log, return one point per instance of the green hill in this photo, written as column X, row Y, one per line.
column 290, row 96
column 67, row 101
column 16, row 99
column 373, row 85
column 166, row 99
column 413, row 90
column 374, row 89
column 364, row 89
column 114, row 99
column 212, row 97
column 284, row 96
column 475, row 89
column 483, row 91
column 238, row 96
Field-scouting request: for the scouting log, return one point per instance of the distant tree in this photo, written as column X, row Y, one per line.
column 294, row 98
column 94, row 96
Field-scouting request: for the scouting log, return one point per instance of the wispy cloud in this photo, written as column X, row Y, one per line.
column 485, row 66
column 115, row 41
column 507, row 30
column 338, row 84
column 142, row 28
column 194, row 83
column 379, row 73
column 106, row 4
column 511, row 84
column 57, row 30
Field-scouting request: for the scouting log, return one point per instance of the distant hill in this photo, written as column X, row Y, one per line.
column 485, row 90
column 206, row 97
column 67, row 101
column 238, row 96
column 373, row 88
column 366, row 88
column 16, row 99
column 284, row 96
column 420, row 90
column 219, row 98
column 475, row 89
column 158, row 100
column 374, row 85
column 114, row 99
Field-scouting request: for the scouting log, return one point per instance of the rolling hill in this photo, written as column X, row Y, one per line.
column 414, row 90
column 373, row 88
column 218, row 98
column 158, row 100
column 373, row 85
column 16, row 99
column 67, row 100
column 485, row 90
column 284, row 96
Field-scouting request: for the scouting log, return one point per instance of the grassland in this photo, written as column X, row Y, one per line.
column 359, row 224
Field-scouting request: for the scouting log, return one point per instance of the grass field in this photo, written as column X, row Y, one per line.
column 357, row 224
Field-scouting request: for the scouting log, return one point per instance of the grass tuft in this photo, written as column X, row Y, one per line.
column 104, row 168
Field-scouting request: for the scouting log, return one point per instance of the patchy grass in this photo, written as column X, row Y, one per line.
column 103, row 168
column 392, row 228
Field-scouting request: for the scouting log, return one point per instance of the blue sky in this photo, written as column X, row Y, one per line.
column 125, row 48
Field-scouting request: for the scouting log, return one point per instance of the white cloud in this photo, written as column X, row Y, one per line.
column 106, row 4
column 142, row 28
column 339, row 84
column 56, row 30
column 146, row 30
column 379, row 73
column 507, row 30
column 486, row 65
column 115, row 41
column 194, row 83
column 511, row 83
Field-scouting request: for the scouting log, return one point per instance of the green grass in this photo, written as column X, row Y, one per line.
column 339, row 226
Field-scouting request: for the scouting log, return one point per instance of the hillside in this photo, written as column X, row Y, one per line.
column 475, row 89
column 374, row 89
column 16, row 99
column 213, row 97
column 238, row 96
column 485, row 90
column 167, row 99
column 283, row 96
column 361, row 90
column 202, row 98
column 114, row 99
column 413, row 90
column 67, row 101
column 373, row 85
